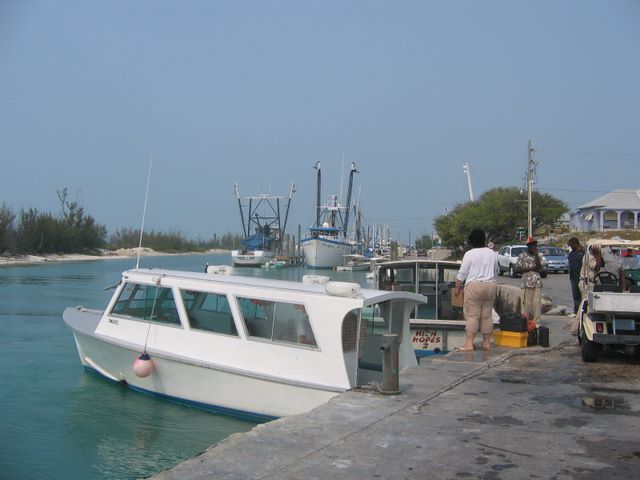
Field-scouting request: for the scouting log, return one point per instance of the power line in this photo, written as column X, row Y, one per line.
column 633, row 192
column 575, row 190
column 595, row 154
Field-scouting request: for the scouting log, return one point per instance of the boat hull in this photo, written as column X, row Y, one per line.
column 324, row 253
column 254, row 258
column 242, row 396
column 432, row 338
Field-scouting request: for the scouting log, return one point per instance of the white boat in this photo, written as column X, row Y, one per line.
column 355, row 263
column 325, row 247
column 437, row 326
column 250, row 347
column 326, row 242
column 251, row 258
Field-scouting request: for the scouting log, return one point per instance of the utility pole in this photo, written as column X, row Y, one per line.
column 466, row 169
column 531, row 173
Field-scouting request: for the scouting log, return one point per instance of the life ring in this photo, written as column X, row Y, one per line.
column 342, row 289
column 321, row 279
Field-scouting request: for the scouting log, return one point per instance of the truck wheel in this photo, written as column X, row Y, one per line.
column 500, row 272
column 512, row 271
column 588, row 349
column 543, row 274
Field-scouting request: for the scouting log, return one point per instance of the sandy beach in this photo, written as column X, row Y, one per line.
column 78, row 257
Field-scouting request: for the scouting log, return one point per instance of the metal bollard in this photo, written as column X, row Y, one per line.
column 390, row 347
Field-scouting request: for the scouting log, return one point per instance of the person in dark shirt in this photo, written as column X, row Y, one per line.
column 575, row 265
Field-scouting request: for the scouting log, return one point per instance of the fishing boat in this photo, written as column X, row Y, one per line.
column 248, row 257
column 249, row 347
column 438, row 325
column 263, row 228
column 326, row 242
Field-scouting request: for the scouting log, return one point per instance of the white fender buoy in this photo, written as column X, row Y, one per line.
column 321, row 279
column 219, row 269
column 342, row 289
column 143, row 366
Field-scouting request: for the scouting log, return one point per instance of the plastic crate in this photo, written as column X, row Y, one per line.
column 513, row 322
column 510, row 339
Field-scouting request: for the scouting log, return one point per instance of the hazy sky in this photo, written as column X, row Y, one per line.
column 256, row 92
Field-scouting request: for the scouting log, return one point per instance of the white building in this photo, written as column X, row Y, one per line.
column 616, row 210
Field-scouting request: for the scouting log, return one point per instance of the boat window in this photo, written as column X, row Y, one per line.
column 449, row 275
column 398, row 278
column 277, row 321
column 209, row 312
column 374, row 320
column 427, row 275
column 446, row 309
column 147, row 302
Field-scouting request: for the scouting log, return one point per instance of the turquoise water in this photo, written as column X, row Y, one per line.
column 58, row 421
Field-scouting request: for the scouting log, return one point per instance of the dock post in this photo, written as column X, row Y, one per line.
column 390, row 347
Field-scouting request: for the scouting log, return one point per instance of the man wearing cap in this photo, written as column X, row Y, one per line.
column 529, row 264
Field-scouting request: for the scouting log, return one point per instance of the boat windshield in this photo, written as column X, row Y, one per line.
column 147, row 302
column 433, row 280
column 277, row 321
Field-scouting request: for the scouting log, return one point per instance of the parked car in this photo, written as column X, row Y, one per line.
column 508, row 257
column 557, row 260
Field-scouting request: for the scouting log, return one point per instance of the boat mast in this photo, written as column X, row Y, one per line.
column 244, row 230
column 292, row 190
column 346, row 215
column 358, row 220
column 318, row 193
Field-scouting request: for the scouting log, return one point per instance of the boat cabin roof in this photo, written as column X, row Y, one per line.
column 324, row 229
column 365, row 296
column 422, row 262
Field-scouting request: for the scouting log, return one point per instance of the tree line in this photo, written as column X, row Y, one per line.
column 31, row 231
column 500, row 212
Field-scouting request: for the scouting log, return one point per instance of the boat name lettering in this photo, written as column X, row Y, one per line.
column 426, row 337
column 113, row 320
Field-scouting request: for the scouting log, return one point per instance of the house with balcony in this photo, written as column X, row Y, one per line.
column 617, row 210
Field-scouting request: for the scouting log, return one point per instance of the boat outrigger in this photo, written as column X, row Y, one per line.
column 263, row 229
column 250, row 347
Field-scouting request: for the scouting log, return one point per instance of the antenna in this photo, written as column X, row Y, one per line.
column 144, row 211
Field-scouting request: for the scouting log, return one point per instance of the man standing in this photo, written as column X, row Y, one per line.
column 529, row 264
column 478, row 272
column 575, row 265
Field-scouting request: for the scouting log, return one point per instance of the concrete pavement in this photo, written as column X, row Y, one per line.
column 504, row 414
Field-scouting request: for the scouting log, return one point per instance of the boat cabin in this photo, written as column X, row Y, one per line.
column 438, row 325
column 247, row 346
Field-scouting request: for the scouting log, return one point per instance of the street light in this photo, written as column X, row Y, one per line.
column 467, row 170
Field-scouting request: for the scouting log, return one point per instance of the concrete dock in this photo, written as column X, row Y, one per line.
column 535, row 412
